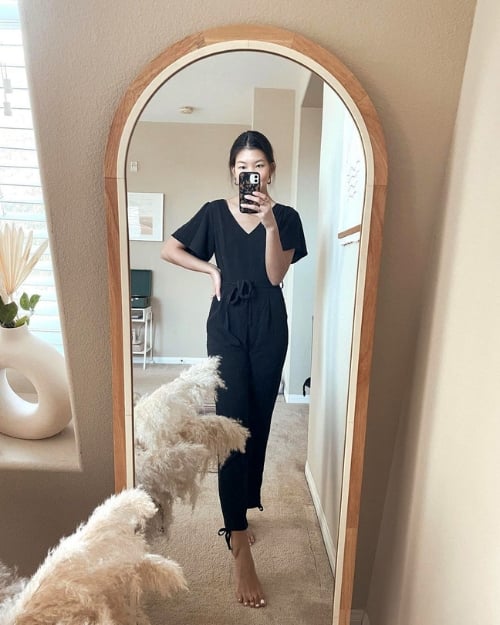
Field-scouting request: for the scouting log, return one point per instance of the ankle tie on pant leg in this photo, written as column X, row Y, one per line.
column 227, row 535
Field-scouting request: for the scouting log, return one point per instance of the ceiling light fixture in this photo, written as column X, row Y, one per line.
column 186, row 110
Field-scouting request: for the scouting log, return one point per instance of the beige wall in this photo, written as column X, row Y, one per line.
column 300, row 280
column 274, row 115
column 438, row 558
column 335, row 288
column 188, row 163
column 82, row 56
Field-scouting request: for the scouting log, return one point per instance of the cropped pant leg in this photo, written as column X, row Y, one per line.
column 234, row 402
column 266, row 365
column 251, row 368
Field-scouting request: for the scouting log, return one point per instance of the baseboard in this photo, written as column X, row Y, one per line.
column 359, row 617
column 169, row 360
column 325, row 531
column 187, row 360
column 296, row 399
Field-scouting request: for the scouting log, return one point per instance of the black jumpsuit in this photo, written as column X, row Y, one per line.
column 248, row 330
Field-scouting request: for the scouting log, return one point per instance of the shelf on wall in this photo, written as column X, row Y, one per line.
column 58, row 453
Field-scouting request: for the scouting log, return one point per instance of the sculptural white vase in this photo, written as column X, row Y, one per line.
column 45, row 368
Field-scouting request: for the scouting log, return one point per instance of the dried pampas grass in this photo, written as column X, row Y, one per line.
column 98, row 574
column 10, row 583
column 16, row 259
column 175, row 444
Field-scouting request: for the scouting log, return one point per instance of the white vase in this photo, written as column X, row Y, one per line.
column 45, row 368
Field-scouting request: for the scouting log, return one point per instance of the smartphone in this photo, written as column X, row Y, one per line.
column 249, row 182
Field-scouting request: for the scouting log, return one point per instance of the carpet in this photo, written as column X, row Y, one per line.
column 289, row 552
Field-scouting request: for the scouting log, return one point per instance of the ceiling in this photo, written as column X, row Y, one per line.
column 220, row 88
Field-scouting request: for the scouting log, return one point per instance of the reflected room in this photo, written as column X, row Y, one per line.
column 177, row 159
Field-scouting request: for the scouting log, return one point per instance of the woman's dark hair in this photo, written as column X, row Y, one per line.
column 253, row 140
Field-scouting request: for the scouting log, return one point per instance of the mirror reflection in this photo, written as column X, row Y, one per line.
column 177, row 160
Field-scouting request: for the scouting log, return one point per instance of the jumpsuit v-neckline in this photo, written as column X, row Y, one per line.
column 247, row 232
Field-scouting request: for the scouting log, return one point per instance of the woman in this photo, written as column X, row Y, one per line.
column 246, row 327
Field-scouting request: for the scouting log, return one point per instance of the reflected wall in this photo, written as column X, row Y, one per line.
column 320, row 171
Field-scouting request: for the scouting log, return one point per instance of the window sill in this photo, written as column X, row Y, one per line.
column 58, row 453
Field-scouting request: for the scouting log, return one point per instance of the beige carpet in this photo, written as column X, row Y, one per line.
column 289, row 553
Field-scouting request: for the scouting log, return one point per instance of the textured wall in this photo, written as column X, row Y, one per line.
column 438, row 559
column 82, row 56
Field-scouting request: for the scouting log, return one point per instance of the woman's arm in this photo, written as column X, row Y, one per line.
column 173, row 251
column 277, row 260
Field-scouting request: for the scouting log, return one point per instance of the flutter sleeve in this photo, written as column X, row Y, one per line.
column 292, row 233
column 197, row 234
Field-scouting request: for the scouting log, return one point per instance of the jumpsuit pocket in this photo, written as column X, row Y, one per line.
column 215, row 307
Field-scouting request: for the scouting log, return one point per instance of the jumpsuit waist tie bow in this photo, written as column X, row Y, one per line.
column 238, row 293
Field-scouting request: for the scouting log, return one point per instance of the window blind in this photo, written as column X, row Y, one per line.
column 21, row 197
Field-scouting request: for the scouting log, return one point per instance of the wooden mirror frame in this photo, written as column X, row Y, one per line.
column 297, row 48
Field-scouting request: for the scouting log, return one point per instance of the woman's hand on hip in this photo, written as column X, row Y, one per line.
column 216, row 280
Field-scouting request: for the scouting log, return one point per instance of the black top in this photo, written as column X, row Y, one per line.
column 238, row 254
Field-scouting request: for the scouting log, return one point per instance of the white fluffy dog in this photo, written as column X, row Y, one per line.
column 97, row 575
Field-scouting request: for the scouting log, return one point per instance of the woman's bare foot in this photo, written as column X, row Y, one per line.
column 248, row 589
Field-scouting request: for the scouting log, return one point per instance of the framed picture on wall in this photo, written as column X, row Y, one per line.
column 145, row 216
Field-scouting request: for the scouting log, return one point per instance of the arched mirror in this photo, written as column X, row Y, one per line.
column 174, row 127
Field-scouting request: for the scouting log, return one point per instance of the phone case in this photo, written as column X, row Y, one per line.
column 249, row 182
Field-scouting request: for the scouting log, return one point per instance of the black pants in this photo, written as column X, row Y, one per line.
column 248, row 330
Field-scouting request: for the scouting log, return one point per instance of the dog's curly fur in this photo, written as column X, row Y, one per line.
column 97, row 575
